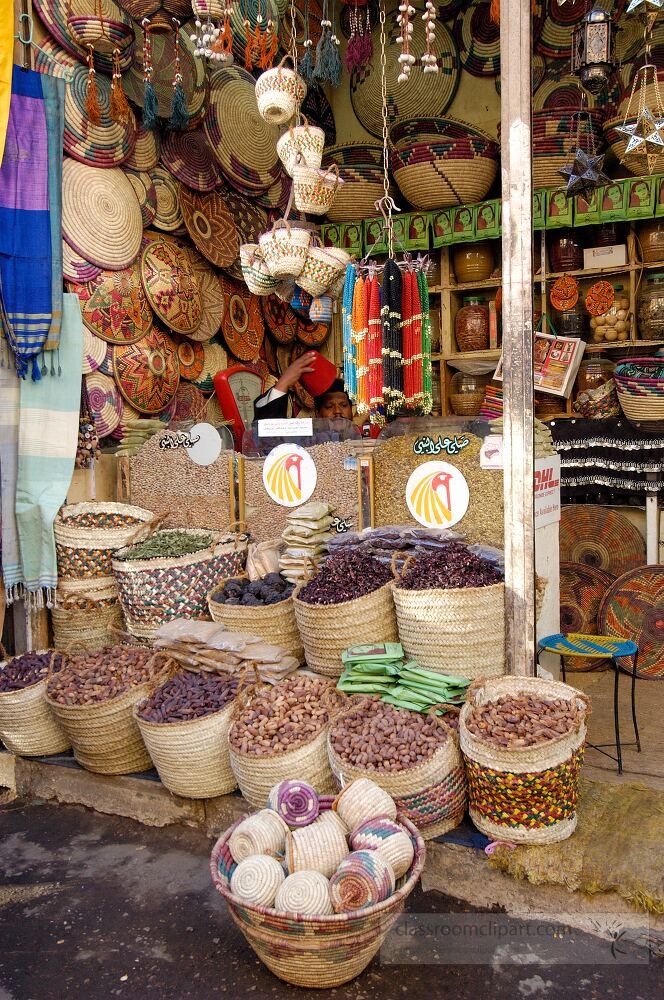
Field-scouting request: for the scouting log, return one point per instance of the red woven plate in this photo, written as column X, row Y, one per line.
column 582, row 590
column 600, row 537
column 242, row 326
column 599, row 298
column 282, row 321
column 564, row 293
column 170, row 286
column 147, row 372
column 211, row 224
column 190, row 359
column 634, row 609
column 312, row 334
column 189, row 158
column 114, row 305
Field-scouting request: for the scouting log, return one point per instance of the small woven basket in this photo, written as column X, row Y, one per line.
column 361, row 800
column 305, row 893
column 321, row 270
column 28, row 727
column 301, row 144
column 315, row 190
column 279, row 93
column 284, row 249
column 84, row 620
column 255, row 271
column 529, row 795
column 319, row 847
column 273, row 622
column 442, row 182
column 263, row 832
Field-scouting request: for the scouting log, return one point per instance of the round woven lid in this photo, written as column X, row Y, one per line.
column 190, row 359
column 281, row 320
column 101, row 216
column 190, row 403
column 94, row 352
column 244, row 19
column 212, row 299
column 633, row 608
column 75, row 268
column 600, row 537
column 51, row 58
column 55, row 14
column 250, row 222
column 421, row 96
column 277, row 195
column 211, row 225
column 168, row 215
column 312, row 334
column 312, row 21
column 163, row 72
column 319, row 112
column 582, row 589
column 170, row 285
column 114, row 306
column 146, row 193
column 147, row 372
column 104, row 402
column 478, row 39
column 145, row 154
column 242, row 141
column 188, row 156
column 242, row 326
column 107, row 144
column 106, row 367
column 561, row 91
column 215, row 360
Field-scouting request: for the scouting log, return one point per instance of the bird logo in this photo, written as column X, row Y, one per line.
column 437, row 495
column 289, row 475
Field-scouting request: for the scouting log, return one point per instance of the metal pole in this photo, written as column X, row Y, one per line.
column 516, row 158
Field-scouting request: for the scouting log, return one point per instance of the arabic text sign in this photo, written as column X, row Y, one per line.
column 427, row 445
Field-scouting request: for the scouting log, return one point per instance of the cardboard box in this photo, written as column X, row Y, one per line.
column 613, row 201
column 488, row 219
column 586, row 213
column 559, row 209
column 615, row 256
column 641, row 198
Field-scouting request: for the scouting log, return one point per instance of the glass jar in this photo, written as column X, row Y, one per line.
column 571, row 322
column 471, row 325
column 593, row 372
column 608, row 234
column 473, row 261
column 566, row 251
column 467, row 393
column 613, row 327
column 651, row 238
column 651, row 308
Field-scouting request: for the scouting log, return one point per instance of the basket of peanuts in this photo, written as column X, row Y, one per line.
column 523, row 739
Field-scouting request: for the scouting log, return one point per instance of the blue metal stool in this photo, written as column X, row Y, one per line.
column 603, row 647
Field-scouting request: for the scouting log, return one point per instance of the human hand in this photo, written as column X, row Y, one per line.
column 295, row 371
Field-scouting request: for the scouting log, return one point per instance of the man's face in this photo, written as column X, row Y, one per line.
column 335, row 405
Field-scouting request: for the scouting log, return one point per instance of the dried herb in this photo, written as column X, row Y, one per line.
column 167, row 544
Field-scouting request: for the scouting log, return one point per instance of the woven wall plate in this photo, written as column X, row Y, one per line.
column 582, row 590
column 243, row 327
column 94, row 352
column 561, row 91
column 281, row 320
column 114, row 306
column 212, row 298
column 277, row 195
column 54, row 15
column 189, row 158
column 564, row 294
column 168, row 215
column 190, row 359
column 555, row 39
column 478, row 39
column 101, row 216
column 147, row 372
column 53, row 59
column 168, row 278
column 250, row 221
column 242, row 141
column 215, row 360
column 269, row 352
column 146, row 193
column 314, row 10
column 160, row 12
column 600, row 537
column 190, row 403
column 193, row 72
column 104, row 402
column 211, row 225
column 634, row 609
column 146, row 151
column 600, row 297
column 75, row 268
column 108, row 144
column 319, row 111
column 106, row 367
column 312, row 334
column 419, row 97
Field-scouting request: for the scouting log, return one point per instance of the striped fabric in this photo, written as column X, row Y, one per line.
column 6, row 60
column 9, row 400
column 577, row 644
column 54, row 106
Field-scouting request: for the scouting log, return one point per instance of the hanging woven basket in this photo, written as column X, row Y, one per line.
column 315, row 190
column 285, row 249
column 279, row 93
column 301, row 144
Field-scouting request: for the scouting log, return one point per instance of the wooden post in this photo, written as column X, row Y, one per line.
column 516, row 158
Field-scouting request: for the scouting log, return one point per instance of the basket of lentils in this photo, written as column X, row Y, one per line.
column 169, row 575
column 281, row 731
column 348, row 601
column 184, row 724
column 450, row 609
column 28, row 727
column 93, row 696
column 262, row 607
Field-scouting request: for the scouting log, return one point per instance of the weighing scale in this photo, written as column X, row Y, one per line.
column 237, row 390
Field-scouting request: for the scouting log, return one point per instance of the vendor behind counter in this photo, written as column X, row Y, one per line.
column 319, row 377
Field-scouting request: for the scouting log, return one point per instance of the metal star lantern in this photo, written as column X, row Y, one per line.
column 584, row 175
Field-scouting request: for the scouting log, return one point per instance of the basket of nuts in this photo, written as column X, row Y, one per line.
column 28, row 727
column 523, row 739
column 416, row 759
column 281, row 731
column 261, row 607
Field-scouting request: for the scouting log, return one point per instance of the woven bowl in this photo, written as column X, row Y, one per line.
column 442, row 182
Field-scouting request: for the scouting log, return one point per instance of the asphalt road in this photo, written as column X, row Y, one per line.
column 95, row 906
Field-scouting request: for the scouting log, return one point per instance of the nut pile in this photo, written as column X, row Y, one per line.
column 26, row 670
column 522, row 720
column 94, row 677
column 189, row 696
column 285, row 716
column 345, row 577
column 167, row 543
column 380, row 737
column 272, row 589
column 453, row 568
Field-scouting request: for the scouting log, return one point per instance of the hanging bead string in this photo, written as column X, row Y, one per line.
column 429, row 60
column 350, row 351
column 307, row 64
column 427, row 367
column 119, row 103
column 92, row 108
column 406, row 60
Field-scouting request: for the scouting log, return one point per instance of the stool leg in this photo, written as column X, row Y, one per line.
column 562, row 667
column 616, row 714
column 636, row 728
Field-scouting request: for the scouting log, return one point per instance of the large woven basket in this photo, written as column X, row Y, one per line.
column 79, row 619
column 28, row 727
column 440, row 182
column 432, row 795
column 327, row 629
column 273, row 622
column 524, row 796
column 319, row 952
column 87, row 535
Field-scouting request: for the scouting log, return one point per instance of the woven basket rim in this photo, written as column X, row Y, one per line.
column 444, row 591
column 450, row 747
column 28, row 687
column 340, row 919
column 116, row 702
column 178, row 726
column 219, row 538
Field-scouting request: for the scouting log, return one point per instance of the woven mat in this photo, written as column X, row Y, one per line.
column 163, row 61
column 242, row 326
column 601, row 538
column 114, row 306
column 146, row 193
column 75, row 268
column 54, row 15
column 94, row 352
column 211, row 224
column 189, row 158
column 171, row 287
column 555, row 39
column 104, row 402
column 478, row 39
column 101, row 216
column 319, row 111
column 190, row 403
column 634, row 609
column 168, row 215
column 148, row 372
column 145, row 154
column 190, row 359
column 107, row 144
column 582, row 589
column 212, row 298
column 281, row 320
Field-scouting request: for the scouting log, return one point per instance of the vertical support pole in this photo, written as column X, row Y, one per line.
column 516, row 158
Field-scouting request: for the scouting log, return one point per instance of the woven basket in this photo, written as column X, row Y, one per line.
column 87, row 535
column 524, row 796
column 301, row 144
column 285, row 249
column 441, row 182
column 327, row 629
column 154, row 591
column 315, row 190
column 255, row 271
column 28, row 727
column 84, row 620
column 273, row 622
column 321, row 270
column 279, row 93
column 357, row 198
column 320, row 951
column 432, row 795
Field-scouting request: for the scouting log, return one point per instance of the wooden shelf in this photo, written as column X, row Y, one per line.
column 622, row 345
column 493, row 355
column 471, row 286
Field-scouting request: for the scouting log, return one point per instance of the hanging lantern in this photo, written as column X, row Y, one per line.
column 593, row 59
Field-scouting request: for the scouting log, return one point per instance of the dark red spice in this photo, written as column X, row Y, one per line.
column 26, row 670
column 450, row 569
column 189, row 696
column 345, row 577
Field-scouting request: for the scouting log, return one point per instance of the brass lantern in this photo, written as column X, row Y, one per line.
column 593, row 58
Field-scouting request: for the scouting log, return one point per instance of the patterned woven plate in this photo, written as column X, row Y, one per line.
column 281, row 320
column 163, row 62
column 600, row 537
column 101, row 217
column 107, row 144
column 190, row 403
column 146, row 193
column 561, row 91
column 211, row 225
column 250, row 222
column 212, row 298
column 75, row 268
column 106, row 367
column 114, row 305
column 555, row 39
column 189, row 158
column 168, row 215
column 170, row 285
column 145, row 154
column 215, row 360
column 312, row 334
column 319, row 111
column 242, row 326
column 582, row 590
column 94, row 352
column 478, row 39
column 420, row 96
column 190, row 359
column 54, row 15
column 634, row 609
column 147, row 372
column 104, row 402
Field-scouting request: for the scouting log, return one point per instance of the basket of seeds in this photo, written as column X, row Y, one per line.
column 28, row 727
column 262, row 607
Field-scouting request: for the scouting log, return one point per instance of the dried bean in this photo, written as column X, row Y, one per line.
column 453, row 568
column 189, row 696
column 522, row 721
column 94, row 677
column 26, row 670
column 345, row 577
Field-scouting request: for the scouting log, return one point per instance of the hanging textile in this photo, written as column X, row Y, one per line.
column 417, row 356
column 359, row 321
column 47, row 443
column 9, row 400
column 54, row 104
column 25, row 228
column 350, row 352
column 374, row 350
column 6, row 60
column 407, row 337
column 427, row 380
column 391, row 326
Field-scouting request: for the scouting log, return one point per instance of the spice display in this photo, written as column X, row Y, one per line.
column 91, row 678
column 28, row 669
column 272, row 589
column 282, row 718
column 523, row 720
column 455, row 567
column 614, row 323
column 169, row 544
column 394, row 541
column 651, row 308
column 471, row 325
column 295, row 801
column 362, row 879
column 188, row 696
column 345, row 577
column 306, row 539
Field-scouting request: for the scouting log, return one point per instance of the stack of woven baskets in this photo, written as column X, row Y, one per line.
column 362, row 164
column 640, row 386
column 555, row 134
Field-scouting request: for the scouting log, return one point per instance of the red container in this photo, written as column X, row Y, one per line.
column 321, row 378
